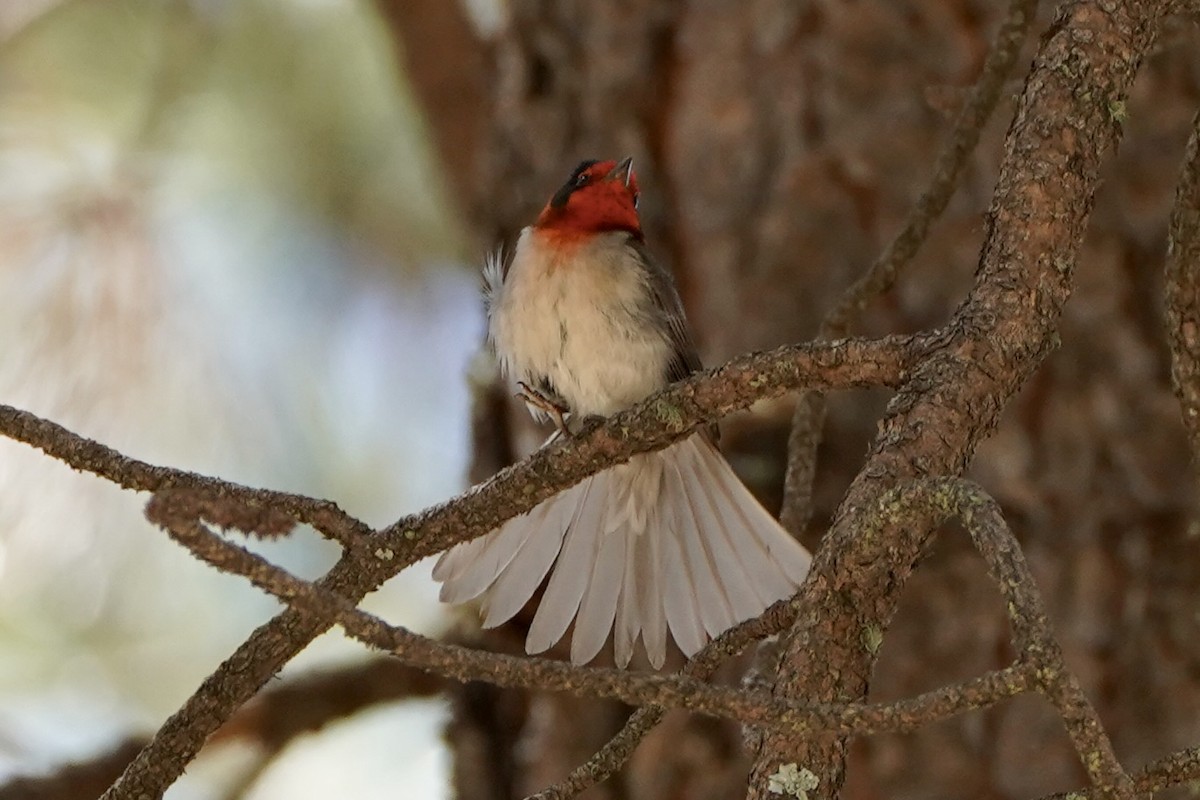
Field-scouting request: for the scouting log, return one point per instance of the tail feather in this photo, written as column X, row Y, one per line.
column 569, row 578
column 792, row 559
column 678, row 590
column 671, row 541
column 599, row 605
column 737, row 581
column 649, row 574
column 629, row 604
column 452, row 563
column 471, row 571
column 695, row 528
column 781, row 551
column 523, row 575
column 766, row 578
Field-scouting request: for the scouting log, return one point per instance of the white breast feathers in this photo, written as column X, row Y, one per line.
column 581, row 317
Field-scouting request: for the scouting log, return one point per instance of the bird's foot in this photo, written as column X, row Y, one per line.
column 539, row 401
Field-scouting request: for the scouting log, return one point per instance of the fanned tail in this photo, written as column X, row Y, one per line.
column 671, row 541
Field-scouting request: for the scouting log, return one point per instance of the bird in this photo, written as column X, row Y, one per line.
column 588, row 323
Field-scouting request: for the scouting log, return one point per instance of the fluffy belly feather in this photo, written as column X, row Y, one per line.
column 579, row 321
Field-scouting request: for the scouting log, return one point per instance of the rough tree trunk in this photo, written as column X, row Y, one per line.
column 779, row 145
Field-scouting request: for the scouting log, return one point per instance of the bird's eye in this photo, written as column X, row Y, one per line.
column 582, row 179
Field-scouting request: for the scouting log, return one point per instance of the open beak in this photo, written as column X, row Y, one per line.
column 622, row 171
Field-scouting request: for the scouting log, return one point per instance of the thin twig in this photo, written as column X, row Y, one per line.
column 808, row 420
column 947, row 171
column 87, row 455
column 1183, row 291
column 1178, row 769
column 617, row 750
column 653, row 424
column 1033, row 637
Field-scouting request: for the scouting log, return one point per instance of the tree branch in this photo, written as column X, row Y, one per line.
column 175, row 512
column 609, row 758
column 1064, row 125
column 662, row 419
column 956, row 383
column 271, row 721
column 1039, row 666
column 1178, row 769
column 947, row 171
column 86, row 455
column 371, row 559
column 808, row 419
column 1183, row 291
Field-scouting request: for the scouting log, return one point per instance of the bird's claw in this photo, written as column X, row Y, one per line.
column 537, row 400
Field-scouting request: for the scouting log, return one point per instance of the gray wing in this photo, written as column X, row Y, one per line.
column 685, row 359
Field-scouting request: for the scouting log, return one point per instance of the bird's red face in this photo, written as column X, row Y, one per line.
column 599, row 196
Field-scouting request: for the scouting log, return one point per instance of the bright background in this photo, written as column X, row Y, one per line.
column 225, row 247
